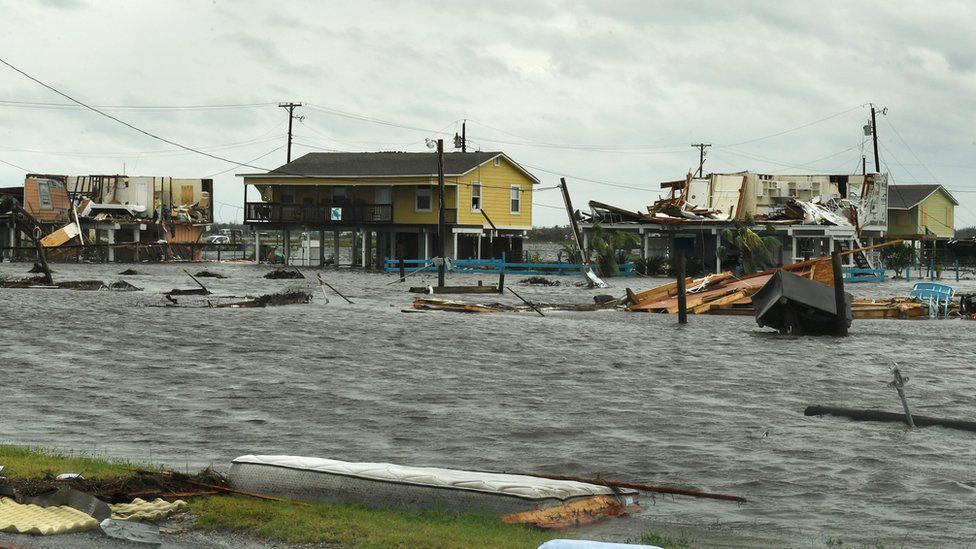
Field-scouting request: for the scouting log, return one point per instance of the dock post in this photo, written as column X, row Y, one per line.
column 682, row 303
column 501, row 282
column 403, row 270
column 931, row 268
column 899, row 383
column 840, row 304
column 957, row 270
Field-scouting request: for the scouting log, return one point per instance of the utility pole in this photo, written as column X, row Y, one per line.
column 874, row 137
column 441, row 229
column 461, row 141
column 701, row 155
column 291, row 117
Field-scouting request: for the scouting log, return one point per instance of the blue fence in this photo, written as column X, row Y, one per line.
column 854, row 274
column 480, row 266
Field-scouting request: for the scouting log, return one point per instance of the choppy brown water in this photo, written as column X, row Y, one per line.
column 631, row 396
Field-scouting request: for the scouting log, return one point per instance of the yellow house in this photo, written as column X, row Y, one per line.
column 389, row 201
column 921, row 212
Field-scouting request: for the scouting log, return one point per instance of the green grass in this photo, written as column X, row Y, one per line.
column 21, row 462
column 352, row 526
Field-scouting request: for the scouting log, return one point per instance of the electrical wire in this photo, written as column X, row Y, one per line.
column 60, row 106
column 255, row 159
column 800, row 127
column 16, row 166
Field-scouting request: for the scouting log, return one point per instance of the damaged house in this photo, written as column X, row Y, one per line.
column 118, row 217
column 811, row 215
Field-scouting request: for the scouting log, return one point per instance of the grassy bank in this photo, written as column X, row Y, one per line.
column 20, row 462
column 342, row 525
column 352, row 526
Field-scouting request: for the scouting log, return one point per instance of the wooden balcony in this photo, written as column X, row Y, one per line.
column 326, row 214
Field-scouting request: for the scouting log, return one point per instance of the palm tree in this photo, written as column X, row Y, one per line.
column 756, row 253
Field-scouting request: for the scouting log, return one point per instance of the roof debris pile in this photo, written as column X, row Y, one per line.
column 284, row 274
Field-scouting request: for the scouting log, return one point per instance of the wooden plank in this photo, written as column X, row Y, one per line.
column 727, row 299
column 574, row 513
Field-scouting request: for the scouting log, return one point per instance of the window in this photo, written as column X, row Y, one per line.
column 498, row 161
column 423, row 198
column 45, row 194
column 475, row 197
column 516, row 199
column 338, row 195
column 287, row 194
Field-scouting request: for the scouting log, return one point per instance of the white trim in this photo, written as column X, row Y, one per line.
column 480, row 196
column 510, row 210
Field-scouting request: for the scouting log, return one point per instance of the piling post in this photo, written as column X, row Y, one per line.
column 840, row 303
column 403, row 270
column 501, row 282
column 957, row 270
column 931, row 268
column 899, row 383
column 682, row 300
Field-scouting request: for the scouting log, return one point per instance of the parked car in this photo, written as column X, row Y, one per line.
column 217, row 239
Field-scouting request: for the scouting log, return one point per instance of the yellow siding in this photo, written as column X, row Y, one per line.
column 496, row 182
column 936, row 213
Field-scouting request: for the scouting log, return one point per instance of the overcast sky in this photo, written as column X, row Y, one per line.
column 609, row 94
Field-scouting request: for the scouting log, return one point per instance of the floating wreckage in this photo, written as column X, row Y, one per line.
column 541, row 502
column 462, row 307
column 796, row 305
column 284, row 274
column 295, row 297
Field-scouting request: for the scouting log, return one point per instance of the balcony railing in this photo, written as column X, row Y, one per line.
column 328, row 214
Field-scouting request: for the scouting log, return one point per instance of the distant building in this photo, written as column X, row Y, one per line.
column 921, row 212
column 811, row 214
column 129, row 214
column 389, row 200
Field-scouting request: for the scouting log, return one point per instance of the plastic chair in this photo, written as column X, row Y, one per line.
column 936, row 296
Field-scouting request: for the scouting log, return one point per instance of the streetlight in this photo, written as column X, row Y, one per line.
column 441, row 240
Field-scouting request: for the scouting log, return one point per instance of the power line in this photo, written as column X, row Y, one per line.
column 256, row 158
column 15, row 166
column 57, row 106
column 123, row 122
column 800, row 127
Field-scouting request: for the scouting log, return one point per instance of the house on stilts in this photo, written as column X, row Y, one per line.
column 388, row 203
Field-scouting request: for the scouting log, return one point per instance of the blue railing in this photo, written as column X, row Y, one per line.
column 475, row 266
column 855, row 274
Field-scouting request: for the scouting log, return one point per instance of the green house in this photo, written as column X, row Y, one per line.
column 920, row 212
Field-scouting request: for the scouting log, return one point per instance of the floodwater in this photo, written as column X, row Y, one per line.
column 716, row 404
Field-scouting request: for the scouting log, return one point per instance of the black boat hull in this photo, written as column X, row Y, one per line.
column 797, row 305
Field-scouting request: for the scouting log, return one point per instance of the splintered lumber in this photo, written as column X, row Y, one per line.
column 658, row 292
column 575, row 513
column 60, row 236
column 439, row 305
column 489, row 289
column 734, row 296
column 889, row 417
column 643, row 486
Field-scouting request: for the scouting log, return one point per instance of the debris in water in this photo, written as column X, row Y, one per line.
column 539, row 281
column 37, row 268
column 281, row 273
column 210, row 274
column 129, row 272
column 123, row 286
column 294, row 297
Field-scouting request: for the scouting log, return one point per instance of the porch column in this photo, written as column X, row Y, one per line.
column 644, row 245
column 321, row 247
column 454, row 253
column 308, row 248
column 424, row 236
column 335, row 250
column 367, row 248
column 137, row 233
column 794, row 250
column 392, row 237
column 286, row 239
column 111, row 241
column 257, row 247
column 479, row 245
column 718, row 259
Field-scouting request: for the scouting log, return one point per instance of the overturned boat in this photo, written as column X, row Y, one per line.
column 518, row 498
column 796, row 305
